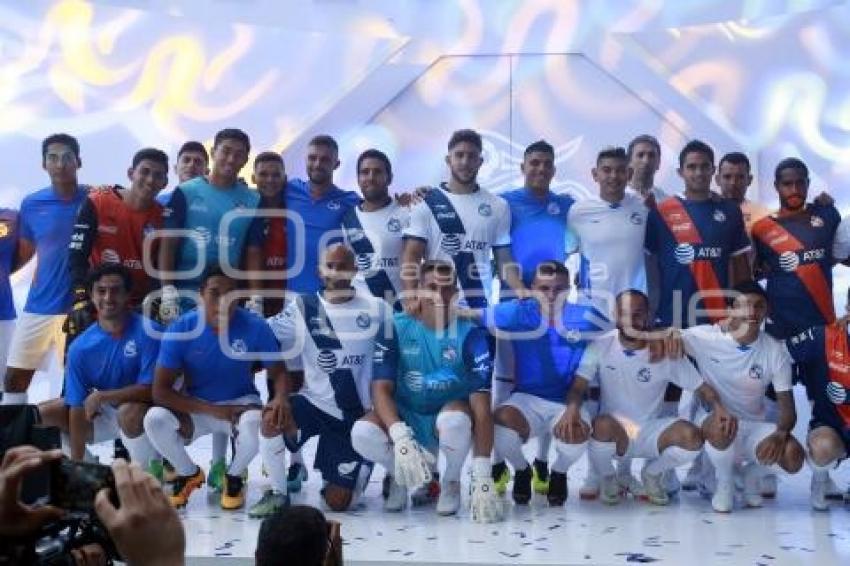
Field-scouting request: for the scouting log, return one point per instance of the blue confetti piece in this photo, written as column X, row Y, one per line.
column 510, row 554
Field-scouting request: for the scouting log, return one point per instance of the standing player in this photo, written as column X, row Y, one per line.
column 46, row 224
column 630, row 423
column 8, row 264
column 219, row 393
column 740, row 361
column 734, row 178
column 373, row 229
column 331, row 335
column 109, row 373
column 431, row 390
column 644, row 153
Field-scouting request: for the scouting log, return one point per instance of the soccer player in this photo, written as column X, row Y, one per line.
column 644, row 153
column 330, row 334
column 219, row 393
column 431, row 390
column 373, row 229
column 109, row 373
column 111, row 227
column 46, row 222
column 739, row 361
column 630, row 423
column 734, row 178
column 320, row 206
column 841, row 245
column 192, row 161
column 8, row 264
column 700, row 242
column 550, row 336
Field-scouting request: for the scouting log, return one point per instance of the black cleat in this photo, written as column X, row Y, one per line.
column 557, row 489
column 522, row 486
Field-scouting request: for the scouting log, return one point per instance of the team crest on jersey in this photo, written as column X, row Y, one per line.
column 449, row 353
column 573, row 335
column 636, row 219
column 326, row 361
column 363, row 261
column 4, row 229
column 484, row 209
column 553, row 209
column 110, row 256
column 719, row 216
column 450, row 243
column 685, row 254
column 789, row 261
column 130, row 349
column 644, row 375
column 239, row 346
column 394, row 225
column 333, row 205
column 756, row 372
column 363, row 320
column 817, row 222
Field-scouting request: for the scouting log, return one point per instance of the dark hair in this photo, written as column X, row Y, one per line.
column 234, row 134
column 214, row 270
column 196, row 147
column 695, row 146
column 297, row 535
column 612, row 153
column 540, row 146
column 104, row 269
column 64, row 139
column 325, row 140
column 748, row 287
column 735, row 158
column 375, row 154
column 440, row 267
column 790, row 163
column 643, row 138
column 551, row 267
column 466, row 135
column 268, row 157
column 635, row 292
column 151, row 154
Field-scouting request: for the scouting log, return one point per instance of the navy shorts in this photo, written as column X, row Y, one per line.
column 336, row 459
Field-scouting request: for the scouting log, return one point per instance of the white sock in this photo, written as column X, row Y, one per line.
column 219, row 446
column 455, row 431
column 722, row 460
column 273, row 452
column 247, row 442
column 14, row 398
column 543, row 444
column 140, row 448
column 510, row 446
column 567, row 455
column 600, row 454
column 624, row 465
column 162, row 429
column 371, row 442
column 671, row 458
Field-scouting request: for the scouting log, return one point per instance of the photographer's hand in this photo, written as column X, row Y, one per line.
column 145, row 528
column 17, row 519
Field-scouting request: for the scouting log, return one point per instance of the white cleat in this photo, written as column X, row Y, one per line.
column 655, row 491
column 449, row 501
column 590, row 488
column 724, row 497
column 609, row 493
column 753, row 474
column 396, row 497
column 769, row 484
column 671, row 482
column 820, row 490
column 630, row 484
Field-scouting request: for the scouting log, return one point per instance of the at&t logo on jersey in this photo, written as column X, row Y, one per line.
column 326, row 361
column 789, row 261
column 414, row 380
column 394, row 225
column 685, row 254
column 484, row 209
column 450, row 243
column 130, row 349
column 644, row 375
column 364, row 262
column 756, row 372
column 203, row 235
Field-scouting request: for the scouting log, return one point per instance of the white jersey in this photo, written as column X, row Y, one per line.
column 631, row 389
column 739, row 374
column 486, row 222
column 610, row 240
column 841, row 244
column 383, row 229
column 355, row 325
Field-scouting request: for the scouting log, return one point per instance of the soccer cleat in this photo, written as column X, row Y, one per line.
column 216, row 478
column 609, row 492
column 832, row 490
column 155, row 468
column 271, row 502
column 820, row 491
column 752, row 485
column 183, row 486
column 540, row 477
column 385, row 486
column 558, row 493
column 233, row 494
column 655, row 492
column 724, row 497
column 630, row 484
column 449, row 501
column 426, row 494
column 590, row 489
column 522, row 486
column 670, row 482
column 768, row 486
column 501, row 477
column 396, row 497
column 169, row 473
column 295, row 476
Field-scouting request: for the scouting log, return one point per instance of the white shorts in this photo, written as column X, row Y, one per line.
column 34, row 335
column 7, row 327
column 105, row 425
column 541, row 414
column 750, row 434
column 203, row 424
column 643, row 437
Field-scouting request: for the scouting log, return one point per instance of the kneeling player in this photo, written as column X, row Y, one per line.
column 631, row 398
column 431, row 389
column 331, row 334
column 108, row 374
column 739, row 362
column 212, row 346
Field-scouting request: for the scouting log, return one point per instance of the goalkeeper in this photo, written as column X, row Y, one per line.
column 430, row 390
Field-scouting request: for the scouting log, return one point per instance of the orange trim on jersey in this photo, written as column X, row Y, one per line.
column 684, row 230
column 838, row 362
column 780, row 240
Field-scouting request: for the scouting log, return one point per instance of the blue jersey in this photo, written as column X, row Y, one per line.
column 429, row 368
column 795, row 255
column 212, row 374
column 545, row 366
column 97, row 360
column 47, row 221
column 694, row 242
column 538, row 229
column 8, row 251
column 198, row 206
column 321, row 225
